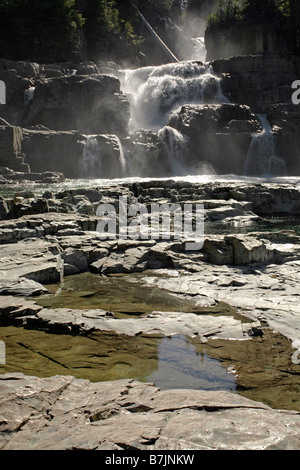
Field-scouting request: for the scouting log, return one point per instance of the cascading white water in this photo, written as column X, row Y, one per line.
column 156, row 91
column 61, row 269
column 175, row 145
column 262, row 158
column 90, row 163
column 122, row 159
column 199, row 50
column 29, row 95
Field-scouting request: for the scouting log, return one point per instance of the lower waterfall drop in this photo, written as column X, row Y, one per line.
column 262, row 158
column 175, row 145
column 122, row 159
column 90, row 163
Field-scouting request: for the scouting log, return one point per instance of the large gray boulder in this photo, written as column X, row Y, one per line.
column 91, row 105
column 11, row 147
column 146, row 155
column 74, row 154
column 18, row 77
column 259, row 80
column 218, row 134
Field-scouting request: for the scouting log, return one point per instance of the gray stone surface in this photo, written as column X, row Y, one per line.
column 255, row 273
column 30, row 314
column 90, row 104
column 62, row 413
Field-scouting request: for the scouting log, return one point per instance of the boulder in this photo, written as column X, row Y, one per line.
column 90, row 104
column 52, row 151
column 218, row 134
column 21, row 287
column 15, row 76
column 146, row 155
column 11, row 147
column 255, row 80
column 95, row 156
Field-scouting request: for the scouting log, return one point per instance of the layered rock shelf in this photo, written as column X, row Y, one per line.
column 54, row 110
column 68, row 121
column 255, row 273
column 85, row 416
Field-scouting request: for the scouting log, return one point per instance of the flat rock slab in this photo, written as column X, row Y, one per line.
column 12, row 307
column 28, row 313
column 21, row 286
column 63, row 413
column 269, row 293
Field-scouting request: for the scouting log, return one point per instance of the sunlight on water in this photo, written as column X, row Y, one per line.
column 8, row 190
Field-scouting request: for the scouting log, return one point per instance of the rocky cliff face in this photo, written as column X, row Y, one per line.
column 247, row 39
column 217, row 133
column 90, row 105
column 64, row 113
column 259, row 81
column 264, row 83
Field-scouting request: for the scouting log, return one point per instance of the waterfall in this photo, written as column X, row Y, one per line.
column 122, row 159
column 262, row 158
column 103, row 156
column 90, row 163
column 29, row 95
column 60, row 268
column 156, row 91
column 199, row 50
column 175, row 145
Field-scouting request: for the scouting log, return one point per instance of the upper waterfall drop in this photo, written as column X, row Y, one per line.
column 156, row 91
column 199, row 50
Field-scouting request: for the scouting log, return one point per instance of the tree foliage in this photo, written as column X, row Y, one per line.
column 35, row 28
column 228, row 12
